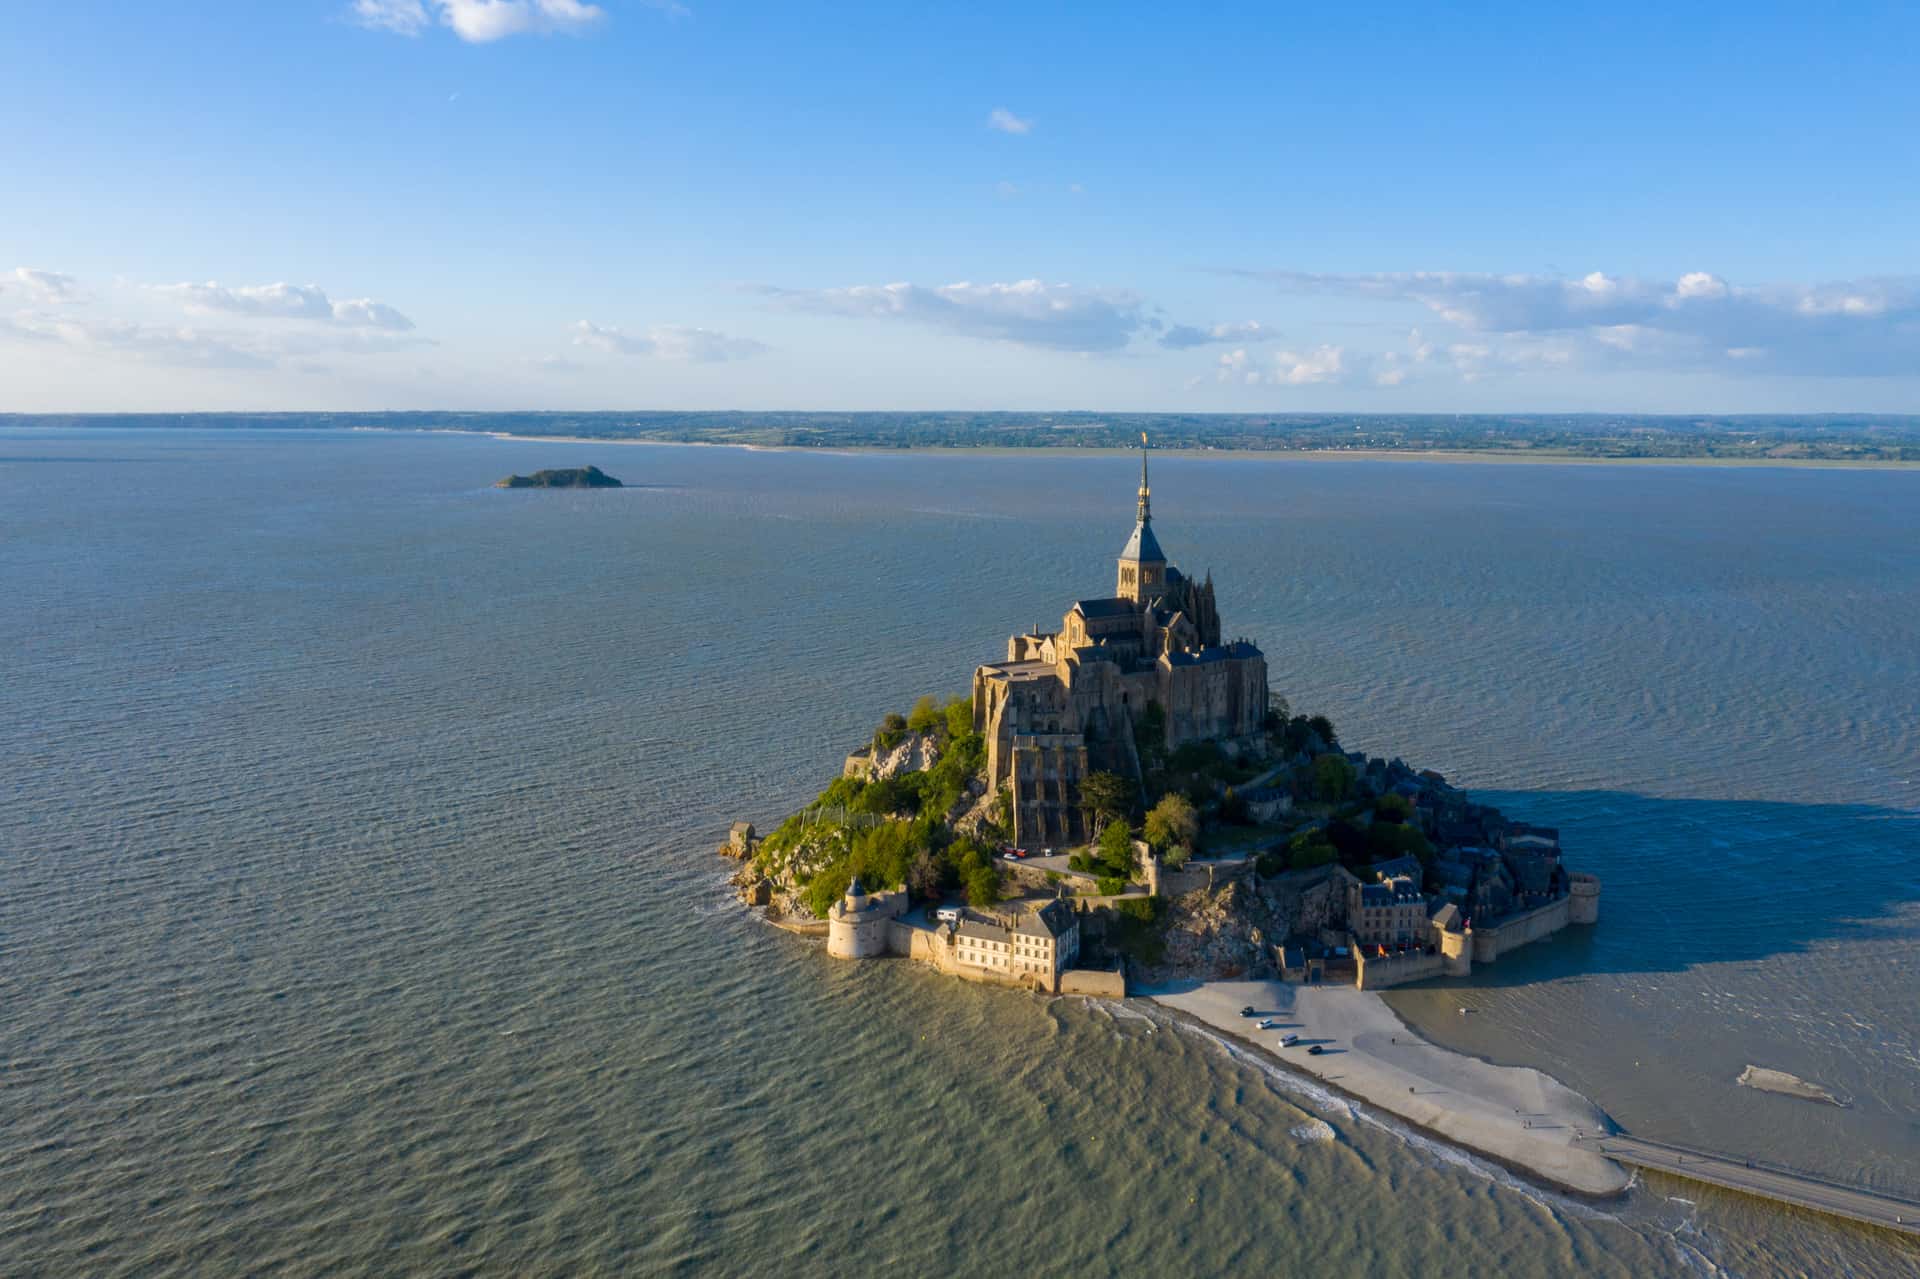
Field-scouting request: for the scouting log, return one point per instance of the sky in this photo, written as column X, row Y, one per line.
column 705, row 204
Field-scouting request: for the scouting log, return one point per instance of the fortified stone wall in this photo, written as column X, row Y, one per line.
column 1397, row 970
column 864, row 934
column 1093, row 982
column 1584, row 904
column 1543, row 921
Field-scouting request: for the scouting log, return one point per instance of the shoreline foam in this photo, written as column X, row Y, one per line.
column 1513, row 1115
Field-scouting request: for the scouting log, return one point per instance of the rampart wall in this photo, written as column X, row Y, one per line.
column 1397, row 970
column 1511, row 934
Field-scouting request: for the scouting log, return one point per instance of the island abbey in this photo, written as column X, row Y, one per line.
column 1148, row 659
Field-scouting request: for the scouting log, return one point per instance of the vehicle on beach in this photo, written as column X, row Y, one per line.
column 1289, row 1040
column 1248, row 1011
column 1266, row 1023
column 1314, row 1050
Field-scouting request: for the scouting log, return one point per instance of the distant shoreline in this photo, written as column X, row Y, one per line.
column 1499, row 457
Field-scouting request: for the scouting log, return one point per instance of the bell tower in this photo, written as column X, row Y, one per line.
column 1143, row 565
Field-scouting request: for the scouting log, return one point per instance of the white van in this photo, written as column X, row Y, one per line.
column 948, row 914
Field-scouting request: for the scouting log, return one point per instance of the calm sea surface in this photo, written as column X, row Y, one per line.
column 358, row 911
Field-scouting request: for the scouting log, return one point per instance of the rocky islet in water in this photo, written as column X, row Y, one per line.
column 577, row 477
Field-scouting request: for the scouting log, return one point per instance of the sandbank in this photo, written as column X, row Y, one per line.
column 1515, row 1115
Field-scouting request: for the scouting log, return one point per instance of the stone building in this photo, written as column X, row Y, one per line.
column 857, row 924
column 1066, row 703
column 1035, row 949
column 1388, row 912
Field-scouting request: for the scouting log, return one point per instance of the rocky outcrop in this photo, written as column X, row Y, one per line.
column 591, row 477
column 1779, row 1081
column 915, row 754
column 1221, row 934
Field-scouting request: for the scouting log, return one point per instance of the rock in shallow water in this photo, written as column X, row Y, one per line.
column 1787, row 1085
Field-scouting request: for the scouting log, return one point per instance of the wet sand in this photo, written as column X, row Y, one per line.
column 1518, row 1116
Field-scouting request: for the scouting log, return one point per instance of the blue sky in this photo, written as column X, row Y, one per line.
column 1262, row 207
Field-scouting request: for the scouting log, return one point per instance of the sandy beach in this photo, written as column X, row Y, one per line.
column 1518, row 1116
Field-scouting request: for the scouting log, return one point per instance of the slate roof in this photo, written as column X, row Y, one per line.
column 1051, row 920
column 1143, row 545
column 1103, row 608
column 971, row 927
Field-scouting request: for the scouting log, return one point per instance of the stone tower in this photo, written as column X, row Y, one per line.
column 857, row 925
column 1143, row 565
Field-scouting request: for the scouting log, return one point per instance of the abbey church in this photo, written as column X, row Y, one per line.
column 1067, row 703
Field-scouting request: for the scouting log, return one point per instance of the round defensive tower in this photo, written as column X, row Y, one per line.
column 1584, row 904
column 857, row 926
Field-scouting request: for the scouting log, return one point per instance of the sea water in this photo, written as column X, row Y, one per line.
column 359, row 912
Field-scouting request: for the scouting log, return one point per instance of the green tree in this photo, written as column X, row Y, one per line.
column 959, row 715
column 1116, row 849
column 1392, row 808
column 1108, row 796
column 983, row 887
column 1332, row 777
column 926, row 877
column 826, row 888
column 925, row 716
column 892, row 731
column 1323, row 729
column 1311, row 855
column 1391, row 839
column 1173, row 826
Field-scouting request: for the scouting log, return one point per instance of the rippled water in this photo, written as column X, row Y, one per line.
column 357, row 911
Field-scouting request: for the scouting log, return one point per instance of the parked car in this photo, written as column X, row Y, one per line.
column 1313, row 1050
column 948, row 914
column 1289, row 1039
column 1248, row 1011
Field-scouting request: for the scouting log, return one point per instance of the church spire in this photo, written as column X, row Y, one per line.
column 1143, row 566
column 1146, row 507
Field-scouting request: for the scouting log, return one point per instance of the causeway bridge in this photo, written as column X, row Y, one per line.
column 1757, row 1177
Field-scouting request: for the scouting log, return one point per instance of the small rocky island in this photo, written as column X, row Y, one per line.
column 1125, row 797
column 577, row 477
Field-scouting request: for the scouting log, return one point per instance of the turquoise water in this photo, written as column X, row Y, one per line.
column 358, row 912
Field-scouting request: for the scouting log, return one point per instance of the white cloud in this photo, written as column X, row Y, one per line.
column 1061, row 317
column 148, row 343
column 1700, row 284
column 1847, row 328
column 677, row 342
column 369, row 314
column 285, row 302
column 48, row 286
column 403, row 17
column 1007, row 122
column 483, row 21
column 1182, row 336
column 1322, row 365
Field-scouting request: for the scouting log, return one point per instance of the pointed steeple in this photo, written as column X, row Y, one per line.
column 1143, row 565
column 1146, row 506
